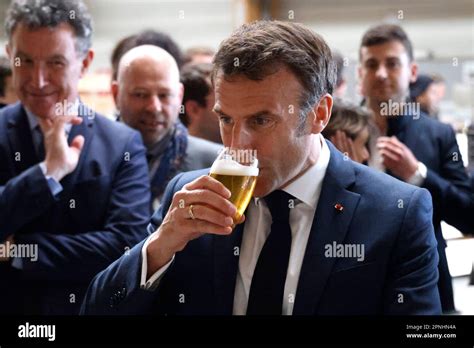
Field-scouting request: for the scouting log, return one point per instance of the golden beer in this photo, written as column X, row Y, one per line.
column 239, row 179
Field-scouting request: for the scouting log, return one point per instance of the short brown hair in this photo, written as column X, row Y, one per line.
column 437, row 78
column 259, row 49
column 49, row 14
column 119, row 50
column 196, row 79
column 347, row 117
column 195, row 51
column 146, row 37
column 339, row 61
column 383, row 33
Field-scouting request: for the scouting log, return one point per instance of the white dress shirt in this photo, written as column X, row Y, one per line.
column 375, row 160
column 33, row 121
column 306, row 190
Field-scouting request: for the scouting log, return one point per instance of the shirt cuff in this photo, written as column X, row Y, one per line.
column 152, row 283
column 54, row 186
column 419, row 177
column 17, row 262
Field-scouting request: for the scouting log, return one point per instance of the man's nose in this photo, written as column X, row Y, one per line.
column 241, row 138
column 154, row 104
column 39, row 76
column 381, row 72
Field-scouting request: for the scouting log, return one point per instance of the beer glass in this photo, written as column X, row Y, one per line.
column 237, row 169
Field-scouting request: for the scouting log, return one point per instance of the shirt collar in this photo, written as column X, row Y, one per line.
column 307, row 187
column 33, row 119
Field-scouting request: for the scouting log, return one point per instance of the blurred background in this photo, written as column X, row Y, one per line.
column 442, row 33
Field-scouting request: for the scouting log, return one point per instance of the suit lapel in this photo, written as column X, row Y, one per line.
column 329, row 225
column 226, row 263
column 20, row 139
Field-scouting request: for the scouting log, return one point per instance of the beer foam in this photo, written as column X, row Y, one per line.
column 230, row 167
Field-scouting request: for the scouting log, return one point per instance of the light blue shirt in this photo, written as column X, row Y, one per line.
column 54, row 186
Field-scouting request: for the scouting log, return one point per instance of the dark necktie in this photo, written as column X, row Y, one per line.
column 268, row 281
column 39, row 143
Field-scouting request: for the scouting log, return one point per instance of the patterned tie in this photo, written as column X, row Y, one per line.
column 268, row 281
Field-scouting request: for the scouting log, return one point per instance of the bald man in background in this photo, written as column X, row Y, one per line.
column 148, row 96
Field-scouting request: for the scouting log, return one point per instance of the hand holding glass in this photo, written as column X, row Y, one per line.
column 237, row 170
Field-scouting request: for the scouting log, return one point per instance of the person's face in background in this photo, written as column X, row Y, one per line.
column 200, row 58
column 439, row 94
column 10, row 96
column 256, row 115
column 385, row 72
column 148, row 96
column 210, row 122
column 429, row 99
column 46, row 67
column 355, row 146
column 340, row 91
column 440, row 88
column 361, row 143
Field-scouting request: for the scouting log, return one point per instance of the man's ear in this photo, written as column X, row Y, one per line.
column 181, row 93
column 413, row 72
column 321, row 114
column 359, row 87
column 114, row 88
column 8, row 50
column 86, row 62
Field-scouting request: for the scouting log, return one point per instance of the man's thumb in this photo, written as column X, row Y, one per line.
column 78, row 143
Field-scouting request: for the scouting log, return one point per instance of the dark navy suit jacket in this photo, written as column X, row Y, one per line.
column 102, row 211
column 391, row 219
column 434, row 144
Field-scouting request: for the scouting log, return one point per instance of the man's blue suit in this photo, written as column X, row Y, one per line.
column 102, row 211
column 434, row 144
column 392, row 220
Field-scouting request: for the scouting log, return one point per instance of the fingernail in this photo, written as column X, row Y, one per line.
column 229, row 221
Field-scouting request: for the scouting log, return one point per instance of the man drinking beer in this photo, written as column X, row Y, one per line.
column 273, row 83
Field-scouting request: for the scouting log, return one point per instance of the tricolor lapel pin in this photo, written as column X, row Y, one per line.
column 339, row 207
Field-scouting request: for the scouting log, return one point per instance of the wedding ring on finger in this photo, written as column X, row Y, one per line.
column 191, row 213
